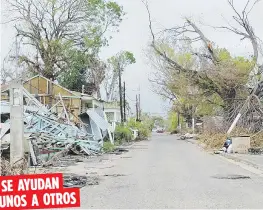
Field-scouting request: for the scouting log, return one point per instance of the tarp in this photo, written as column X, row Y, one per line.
column 100, row 122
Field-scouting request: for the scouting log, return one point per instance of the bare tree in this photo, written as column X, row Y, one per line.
column 244, row 29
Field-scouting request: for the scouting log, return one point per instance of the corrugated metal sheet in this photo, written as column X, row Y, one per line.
column 4, row 107
column 100, row 121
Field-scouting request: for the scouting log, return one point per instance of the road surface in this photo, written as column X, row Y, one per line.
column 170, row 173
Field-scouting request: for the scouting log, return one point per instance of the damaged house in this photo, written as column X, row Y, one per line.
column 56, row 118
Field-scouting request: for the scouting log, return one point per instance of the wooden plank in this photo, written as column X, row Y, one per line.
column 38, row 85
column 32, row 153
column 65, row 110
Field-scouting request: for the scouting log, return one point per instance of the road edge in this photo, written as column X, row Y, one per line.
column 251, row 167
column 245, row 164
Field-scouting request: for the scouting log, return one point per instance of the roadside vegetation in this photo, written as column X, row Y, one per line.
column 123, row 133
column 203, row 79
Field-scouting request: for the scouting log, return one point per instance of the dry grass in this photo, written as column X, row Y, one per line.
column 257, row 140
column 216, row 140
column 18, row 168
column 212, row 140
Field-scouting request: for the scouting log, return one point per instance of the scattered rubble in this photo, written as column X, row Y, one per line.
column 18, row 168
column 255, row 151
column 118, row 151
column 50, row 137
column 227, row 147
column 188, row 136
column 76, row 181
column 115, row 175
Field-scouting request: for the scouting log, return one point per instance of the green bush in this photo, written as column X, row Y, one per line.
column 122, row 134
column 143, row 132
column 108, row 146
column 144, row 129
column 174, row 132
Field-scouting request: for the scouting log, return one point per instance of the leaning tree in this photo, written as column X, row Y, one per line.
column 215, row 73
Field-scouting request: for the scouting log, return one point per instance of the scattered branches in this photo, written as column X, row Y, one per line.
column 246, row 31
column 217, row 77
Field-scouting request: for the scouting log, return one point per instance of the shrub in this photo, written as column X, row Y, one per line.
column 144, row 130
column 122, row 134
column 108, row 146
column 174, row 132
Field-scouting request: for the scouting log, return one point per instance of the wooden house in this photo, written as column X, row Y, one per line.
column 49, row 92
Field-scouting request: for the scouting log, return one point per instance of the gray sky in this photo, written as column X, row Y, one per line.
column 134, row 36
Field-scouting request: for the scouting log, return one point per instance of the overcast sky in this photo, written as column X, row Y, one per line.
column 134, row 36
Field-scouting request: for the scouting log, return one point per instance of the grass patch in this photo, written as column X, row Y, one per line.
column 108, row 147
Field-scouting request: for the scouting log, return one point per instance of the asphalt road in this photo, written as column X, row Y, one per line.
column 170, row 173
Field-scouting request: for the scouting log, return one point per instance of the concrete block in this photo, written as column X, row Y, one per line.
column 240, row 144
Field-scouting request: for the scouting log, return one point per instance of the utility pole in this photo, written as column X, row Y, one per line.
column 120, row 90
column 16, row 58
column 178, row 119
column 124, row 102
column 136, row 108
column 17, row 147
column 139, row 106
column 179, row 123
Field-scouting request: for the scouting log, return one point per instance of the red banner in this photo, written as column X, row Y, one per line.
column 38, row 191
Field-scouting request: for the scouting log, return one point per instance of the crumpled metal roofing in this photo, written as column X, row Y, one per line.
column 51, row 133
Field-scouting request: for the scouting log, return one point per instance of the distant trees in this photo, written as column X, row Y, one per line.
column 116, row 66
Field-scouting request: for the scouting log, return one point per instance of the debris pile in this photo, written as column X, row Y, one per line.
column 227, row 147
column 49, row 136
column 187, row 136
column 76, row 181
column 255, row 151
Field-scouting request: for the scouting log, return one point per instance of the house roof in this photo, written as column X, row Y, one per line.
column 72, row 92
column 75, row 93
